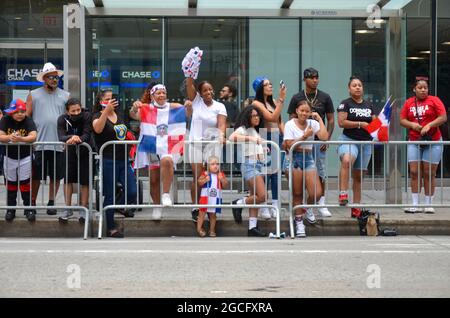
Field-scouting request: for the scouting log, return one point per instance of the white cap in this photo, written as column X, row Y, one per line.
column 48, row 68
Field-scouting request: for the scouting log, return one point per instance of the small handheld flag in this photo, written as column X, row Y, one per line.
column 379, row 128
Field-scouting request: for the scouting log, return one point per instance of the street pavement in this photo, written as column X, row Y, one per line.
column 226, row 267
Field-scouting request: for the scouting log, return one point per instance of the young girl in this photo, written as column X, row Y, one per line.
column 247, row 126
column 354, row 115
column 422, row 115
column 302, row 129
column 271, row 112
column 212, row 183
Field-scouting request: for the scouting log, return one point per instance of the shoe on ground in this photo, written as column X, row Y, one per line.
column 115, row 234
column 157, row 214
column 166, row 200
column 237, row 213
column 309, row 216
column 194, row 214
column 324, row 212
column 413, row 210
column 82, row 220
column 299, row 228
column 51, row 211
column 429, row 210
column 64, row 218
column 30, row 215
column 256, row 232
column 265, row 213
column 343, row 199
column 355, row 213
column 10, row 215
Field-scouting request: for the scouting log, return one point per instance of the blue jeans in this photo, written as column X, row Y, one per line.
column 109, row 186
column 272, row 179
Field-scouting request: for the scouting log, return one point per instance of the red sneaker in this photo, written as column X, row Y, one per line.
column 343, row 199
column 355, row 213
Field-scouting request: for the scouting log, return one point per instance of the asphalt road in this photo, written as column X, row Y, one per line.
column 404, row 266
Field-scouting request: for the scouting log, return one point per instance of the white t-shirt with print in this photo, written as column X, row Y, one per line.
column 204, row 119
column 293, row 132
column 250, row 148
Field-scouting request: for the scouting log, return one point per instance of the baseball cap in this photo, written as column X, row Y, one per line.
column 310, row 72
column 16, row 105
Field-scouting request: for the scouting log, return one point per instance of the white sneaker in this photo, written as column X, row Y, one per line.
column 413, row 210
column 429, row 210
column 157, row 214
column 273, row 213
column 265, row 213
column 166, row 200
column 299, row 228
column 309, row 216
column 324, row 212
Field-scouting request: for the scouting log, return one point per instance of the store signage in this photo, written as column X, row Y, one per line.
column 140, row 74
column 100, row 74
column 21, row 74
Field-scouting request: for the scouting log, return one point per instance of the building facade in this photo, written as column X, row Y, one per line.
column 124, row 45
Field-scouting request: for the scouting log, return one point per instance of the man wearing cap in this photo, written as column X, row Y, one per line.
column 45, row 105
column 14, row 128
column 321, row 103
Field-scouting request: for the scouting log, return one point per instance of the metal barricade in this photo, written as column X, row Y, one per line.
column 103, row 209
column 42, row 206
column 397, row 175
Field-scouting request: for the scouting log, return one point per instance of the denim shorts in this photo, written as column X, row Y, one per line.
column 362, row 153
column 303, row 161
column 319, row 158
column 431, row 154
column 251, row 168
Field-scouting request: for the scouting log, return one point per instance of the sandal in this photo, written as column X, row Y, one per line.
column 115, row 234
column 201, row 233
column 212, row 234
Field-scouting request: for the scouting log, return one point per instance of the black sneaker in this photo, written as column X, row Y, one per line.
column 30, row 215
column 10, row 215
column 256, row 232
column 128, row 213
column 237, row 213
column 81, row 220
column 194, row 215
column 51, row 211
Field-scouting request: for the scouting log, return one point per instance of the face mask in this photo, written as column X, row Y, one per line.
column 76, row 118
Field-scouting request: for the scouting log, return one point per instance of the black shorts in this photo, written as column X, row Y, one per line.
column 43, row 165
column 71, row 172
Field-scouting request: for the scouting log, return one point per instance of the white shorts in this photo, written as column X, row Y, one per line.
column 199, row 153
column 14, row 168
column 152, row 160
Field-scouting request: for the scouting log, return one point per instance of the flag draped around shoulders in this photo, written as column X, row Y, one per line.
column 162, row 129
column 379, row 128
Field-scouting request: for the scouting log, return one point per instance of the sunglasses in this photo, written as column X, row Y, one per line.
column 53, row 77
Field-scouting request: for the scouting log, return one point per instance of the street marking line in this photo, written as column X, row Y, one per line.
column 141, row 251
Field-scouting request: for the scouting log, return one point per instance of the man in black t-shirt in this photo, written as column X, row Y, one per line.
column 227, row 97
column 15, row 128
column 322, row 104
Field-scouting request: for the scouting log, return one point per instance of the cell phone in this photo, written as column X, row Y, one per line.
column 282, row 84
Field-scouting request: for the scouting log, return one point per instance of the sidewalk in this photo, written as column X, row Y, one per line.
column 177, row 222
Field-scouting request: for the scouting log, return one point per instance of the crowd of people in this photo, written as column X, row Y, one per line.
column 51, row 115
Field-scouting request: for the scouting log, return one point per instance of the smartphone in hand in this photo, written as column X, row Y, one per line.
column 282, row 85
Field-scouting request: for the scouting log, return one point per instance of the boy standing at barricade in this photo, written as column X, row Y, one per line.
column 321, row 103
column 74, row 128
column 17, row 127
column 212, row 182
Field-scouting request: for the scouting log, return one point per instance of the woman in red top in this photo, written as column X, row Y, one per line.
column 422, row 114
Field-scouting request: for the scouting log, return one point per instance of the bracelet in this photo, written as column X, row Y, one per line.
column 281, row 100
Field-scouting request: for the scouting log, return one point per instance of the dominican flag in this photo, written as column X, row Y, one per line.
column 211, row 194
column 379, row 128
column 162, row 130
